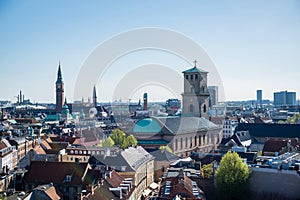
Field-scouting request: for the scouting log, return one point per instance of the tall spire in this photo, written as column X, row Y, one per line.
column 94, row 96
column 59, row 76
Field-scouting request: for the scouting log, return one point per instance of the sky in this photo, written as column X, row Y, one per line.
column 253, row 45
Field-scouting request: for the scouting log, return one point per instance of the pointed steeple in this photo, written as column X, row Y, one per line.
column 59, row 76
column 94, row 92
column 94, row 96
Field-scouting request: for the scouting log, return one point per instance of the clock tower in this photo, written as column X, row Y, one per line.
column 59, row 91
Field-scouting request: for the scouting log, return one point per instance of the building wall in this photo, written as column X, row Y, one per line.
column 183, row 144
column 284, row 98
column 142, row 177
column 228, row 128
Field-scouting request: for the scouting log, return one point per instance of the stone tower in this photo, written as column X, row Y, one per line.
column 59, row 91
column 195, row 98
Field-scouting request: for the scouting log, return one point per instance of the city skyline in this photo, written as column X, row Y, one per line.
column 250, row 44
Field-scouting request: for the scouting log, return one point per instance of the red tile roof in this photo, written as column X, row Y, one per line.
column 274, row 145
column 52, row 194
column 114, row 179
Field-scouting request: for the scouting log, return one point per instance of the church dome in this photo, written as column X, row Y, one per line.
column 147, row 125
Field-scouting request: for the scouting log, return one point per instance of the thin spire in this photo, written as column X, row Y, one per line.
column 59, row 76
column 94, row 96
column 94, row 92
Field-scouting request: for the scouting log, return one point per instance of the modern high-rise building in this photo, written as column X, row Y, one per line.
column 258, row 96
column 59, row 91
column 213, row 95
column 284, row 98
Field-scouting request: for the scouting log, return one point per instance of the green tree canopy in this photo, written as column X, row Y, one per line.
column 131, row 141
column 167, row 148
column 108, row 142
column 232, row 177
column 207, row 170
column 118, row 136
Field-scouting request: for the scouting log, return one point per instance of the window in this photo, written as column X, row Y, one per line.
column 191, row 142
column 195, row 141
column 191, row 76
column 204, row 108
column 181, row 143
column 187, row 77
column 176, row 144
column 186, row 142
column 199, row 140
column 196, row 76
column 191, row 108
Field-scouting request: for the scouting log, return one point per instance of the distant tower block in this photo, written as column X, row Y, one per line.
column 195, row 96
column 59, row 91
column 94, row 97
column 145, row 101
column 21, row 97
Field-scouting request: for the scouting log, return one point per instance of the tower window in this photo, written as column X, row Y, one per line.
column 191, row 108
column 191, row 76
column 204, row 108
column 187, row 77
column 196, row 76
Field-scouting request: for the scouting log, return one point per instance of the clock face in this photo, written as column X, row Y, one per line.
column 58, row 86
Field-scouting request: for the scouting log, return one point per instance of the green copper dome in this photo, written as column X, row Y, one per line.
column 65, row 110
column 147, row 125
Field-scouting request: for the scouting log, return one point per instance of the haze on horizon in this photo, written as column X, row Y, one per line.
column 253, row 44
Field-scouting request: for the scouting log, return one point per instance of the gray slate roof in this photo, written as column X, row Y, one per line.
column 128, row 160
column 164, row 156
column 178, row 125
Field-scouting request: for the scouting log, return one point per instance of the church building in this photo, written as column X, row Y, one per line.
column 190, row 132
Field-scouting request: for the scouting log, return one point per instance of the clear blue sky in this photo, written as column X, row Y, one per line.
column 254, row 44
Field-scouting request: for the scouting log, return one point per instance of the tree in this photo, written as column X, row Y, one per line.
column 118, row 136
column 207, row 170
column 232, row 177
column 131, row 141
column 167, row 148
column 108, row 142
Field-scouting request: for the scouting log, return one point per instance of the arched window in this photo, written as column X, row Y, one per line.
column 199, row 140
column 195, row 141
column 204, row 108
column 186, row 142
column 181, row 143
column 191, row 108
